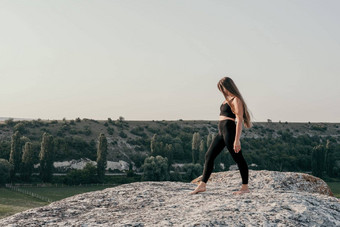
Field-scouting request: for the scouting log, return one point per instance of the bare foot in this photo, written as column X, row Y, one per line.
column 241, row 191
column 200, row 188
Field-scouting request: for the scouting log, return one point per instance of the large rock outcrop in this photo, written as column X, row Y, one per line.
column 276, row 199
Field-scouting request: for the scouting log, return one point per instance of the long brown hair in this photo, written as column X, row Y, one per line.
column 229, row 84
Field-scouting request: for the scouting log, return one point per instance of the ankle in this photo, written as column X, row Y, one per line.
column 244, row 186
column 202, row 183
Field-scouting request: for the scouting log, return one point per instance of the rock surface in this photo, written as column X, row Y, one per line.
column 276, row 199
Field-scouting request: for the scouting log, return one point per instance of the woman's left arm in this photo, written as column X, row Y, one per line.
column 239, row 116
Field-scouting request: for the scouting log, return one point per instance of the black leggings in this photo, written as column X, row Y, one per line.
column 225, row 137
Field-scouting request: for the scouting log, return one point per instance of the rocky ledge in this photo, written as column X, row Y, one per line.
column 276, row 199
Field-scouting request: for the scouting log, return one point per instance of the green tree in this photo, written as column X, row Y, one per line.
column 196, row 140
column 329, row 159
column 110, row 130
column 157, row 146
column 23, row 140
column 169, row 152
column 46, row 157
column 155, row 169
column 5, row 170
column 176, row 176
column 318, row 160
column 193, row 170
column 5, row 149
column 20, row 127
column 89, row 174
column 209, row 139
column 10, row 122
column 73, row 177
column 101, row 157
column 15, row 155
column 154, row 146
column 27, row 162
column 202, row 151
column 130, row 172
column 179, row 153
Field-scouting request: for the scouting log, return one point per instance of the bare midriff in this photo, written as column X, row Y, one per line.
column 221, row 117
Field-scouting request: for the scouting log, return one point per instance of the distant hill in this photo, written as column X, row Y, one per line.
column 15, row 119
column 130, row 141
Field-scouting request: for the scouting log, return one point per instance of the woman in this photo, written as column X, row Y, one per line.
column 229, row 134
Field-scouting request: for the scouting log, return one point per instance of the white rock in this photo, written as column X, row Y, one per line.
column 81, row 163
column 121, row 165
column 233, row 167
column 276, row 199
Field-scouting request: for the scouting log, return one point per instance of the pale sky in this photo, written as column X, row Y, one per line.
column 162, row 59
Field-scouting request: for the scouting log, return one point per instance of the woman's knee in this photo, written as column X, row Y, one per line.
column 216, row 145
column 231, row 150
column 207, row 155
column 236, row 156
column 209, row 152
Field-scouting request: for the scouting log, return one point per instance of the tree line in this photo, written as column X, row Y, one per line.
column 318, row 155
column 21, row 160
column 186, row 145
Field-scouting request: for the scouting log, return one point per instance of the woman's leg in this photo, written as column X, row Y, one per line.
column 242, row 165
column 229, row 138
column 214, row 149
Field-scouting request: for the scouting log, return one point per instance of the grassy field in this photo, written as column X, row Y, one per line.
column 58, row 193
column 335, row 187
column 12, row 202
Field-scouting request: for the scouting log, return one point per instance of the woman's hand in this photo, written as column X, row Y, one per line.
column 237, row 146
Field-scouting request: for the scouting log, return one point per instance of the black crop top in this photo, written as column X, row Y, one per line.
column 226, row 111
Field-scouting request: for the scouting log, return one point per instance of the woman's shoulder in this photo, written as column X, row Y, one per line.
column 232, row 100
column 235, row 99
